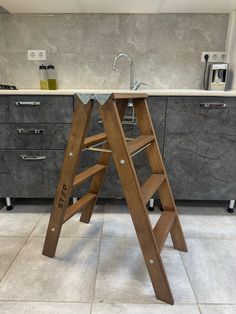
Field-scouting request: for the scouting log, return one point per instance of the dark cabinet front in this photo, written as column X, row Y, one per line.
column 200, row 147
column 27, row 173
column 196, row 135
column 33, row 135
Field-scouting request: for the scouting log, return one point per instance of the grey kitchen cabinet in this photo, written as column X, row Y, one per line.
column 33, row 137
column 200, row 147
column 4, row 109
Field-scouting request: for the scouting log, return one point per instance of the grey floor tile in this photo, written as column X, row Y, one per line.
column 44, row 308
column 207, row 222
column 21, row 220
column 217, row 309
column 9, row 248
column 119, row 308
column 118, row 222
column 211, row 267
column 73, row 227
column 123, row 277
column 70, row 276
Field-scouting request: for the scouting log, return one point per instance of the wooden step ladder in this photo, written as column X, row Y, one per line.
column 112, row 108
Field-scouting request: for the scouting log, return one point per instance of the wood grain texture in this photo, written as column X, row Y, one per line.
column 139, row 142
column 104, row 159
column 74, row 147
column 75, row 208
column 94, row 139
column 86, row 174
column 163, row 227
column 130, row 183
column 151, row 241
column 131, row 95
column 151, row 186
column 157, row 166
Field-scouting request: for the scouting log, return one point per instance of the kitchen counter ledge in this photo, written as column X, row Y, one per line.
column 150, row 92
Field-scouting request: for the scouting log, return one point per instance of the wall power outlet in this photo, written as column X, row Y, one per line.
column 36, row 55
column 214, row 56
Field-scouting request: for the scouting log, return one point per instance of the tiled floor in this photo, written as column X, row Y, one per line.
column 99, row 267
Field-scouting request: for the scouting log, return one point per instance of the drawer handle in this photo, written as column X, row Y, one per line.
column 214, row 105
column 32, row 157
column 30, row 131
column 27, row 103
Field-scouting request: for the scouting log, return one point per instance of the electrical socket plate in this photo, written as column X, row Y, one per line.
column 214, row 56
column 37, row 55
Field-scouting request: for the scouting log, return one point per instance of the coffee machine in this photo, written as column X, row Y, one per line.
column 217, row 76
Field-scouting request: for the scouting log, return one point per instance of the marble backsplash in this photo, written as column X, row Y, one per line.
column 166, row 48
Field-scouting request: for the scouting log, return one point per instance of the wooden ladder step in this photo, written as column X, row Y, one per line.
column 82, row 202
column 81, row 177
column 95, row 139
column 131, row 95
column 139, row 142
column 163, row 227
column 151, row 186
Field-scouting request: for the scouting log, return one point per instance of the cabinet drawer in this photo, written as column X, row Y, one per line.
column 30, row 173
column 33, row 136
column 41, row 109
column 4, row 112
column 201, row 114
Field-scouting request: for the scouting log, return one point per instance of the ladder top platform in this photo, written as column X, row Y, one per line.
column 129, row 95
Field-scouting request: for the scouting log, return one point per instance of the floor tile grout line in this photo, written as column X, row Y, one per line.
column 111, row 302
column 46, row 301
column 23, row 245
column 99, row 251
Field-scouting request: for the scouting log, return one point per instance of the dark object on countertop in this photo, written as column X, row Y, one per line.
column 11, row 87
column 205, row 84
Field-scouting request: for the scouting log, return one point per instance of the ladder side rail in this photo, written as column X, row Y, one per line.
column 129, row 180
column 75, row 144
column 154, row 155
column 104, row 159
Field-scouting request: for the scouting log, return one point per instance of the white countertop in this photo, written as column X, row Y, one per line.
column 150, row 92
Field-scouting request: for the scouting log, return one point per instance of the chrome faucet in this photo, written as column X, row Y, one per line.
column 131, row 85
column 138, row 84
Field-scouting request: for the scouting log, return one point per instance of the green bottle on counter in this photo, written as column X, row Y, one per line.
column 43, row 76
column 52, row 82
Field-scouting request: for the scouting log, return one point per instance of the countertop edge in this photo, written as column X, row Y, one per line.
column 150, row 92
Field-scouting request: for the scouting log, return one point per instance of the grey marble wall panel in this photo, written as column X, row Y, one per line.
column 166, row 48
column 3, row 59
column 2, row 36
